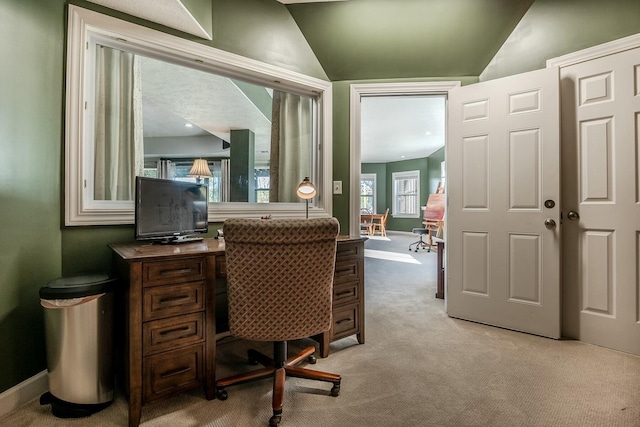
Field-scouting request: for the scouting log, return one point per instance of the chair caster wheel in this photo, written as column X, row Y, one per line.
column 312, row 359
column 335, row 390
column 274, row 421
column 221, row 394
column 251, row 356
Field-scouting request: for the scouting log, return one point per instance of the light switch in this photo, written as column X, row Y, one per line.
column 337, row 187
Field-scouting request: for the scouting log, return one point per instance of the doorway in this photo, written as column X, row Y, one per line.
column 360, row 91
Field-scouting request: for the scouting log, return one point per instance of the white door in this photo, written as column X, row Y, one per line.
column 601, row 189
column 503, row 262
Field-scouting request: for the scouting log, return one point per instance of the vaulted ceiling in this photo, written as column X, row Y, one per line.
column 378, row 39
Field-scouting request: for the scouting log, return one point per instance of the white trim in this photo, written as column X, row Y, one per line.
column 382, row 89
column 86, row 25
column 24, row 392
column 594, row 52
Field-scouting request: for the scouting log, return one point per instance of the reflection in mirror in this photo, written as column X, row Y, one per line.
column 145, row 103
column 154, row 118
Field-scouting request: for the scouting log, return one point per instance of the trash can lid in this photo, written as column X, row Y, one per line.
column 80, row 285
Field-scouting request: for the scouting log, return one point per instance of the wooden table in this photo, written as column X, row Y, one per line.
column 370, row 219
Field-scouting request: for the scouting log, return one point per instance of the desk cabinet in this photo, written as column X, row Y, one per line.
column 166, row 303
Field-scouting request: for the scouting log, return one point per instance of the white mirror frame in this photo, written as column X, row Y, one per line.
column 85, row 24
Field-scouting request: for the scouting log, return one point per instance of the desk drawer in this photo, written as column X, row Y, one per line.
column 345, row 321
column 345, row 293
column 178, row 271
column 172, row 372
column 348, row 250
column 165, row 301
column 173, row 332
column 346, row 271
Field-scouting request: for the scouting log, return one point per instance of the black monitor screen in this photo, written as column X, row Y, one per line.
column 166, row 208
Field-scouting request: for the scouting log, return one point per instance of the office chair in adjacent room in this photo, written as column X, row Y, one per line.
column 280, row 284
column 433, row 222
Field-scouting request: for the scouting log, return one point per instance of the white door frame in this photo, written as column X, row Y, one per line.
column 377, row 89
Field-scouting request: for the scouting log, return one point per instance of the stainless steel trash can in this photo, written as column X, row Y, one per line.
column 78, row 317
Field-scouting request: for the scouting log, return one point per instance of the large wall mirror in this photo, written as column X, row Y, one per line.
column 142, row 102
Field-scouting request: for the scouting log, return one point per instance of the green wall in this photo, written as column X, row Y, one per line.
column 31, row 101
column 36, row 248
column 553, row 28
column 433, row 171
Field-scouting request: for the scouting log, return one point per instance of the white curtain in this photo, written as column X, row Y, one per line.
column 118, row 125
column 166, row 169
column 291, row 141
column 225, row 180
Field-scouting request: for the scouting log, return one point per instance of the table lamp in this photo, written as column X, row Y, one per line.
column 199, row 169
column 306, row 190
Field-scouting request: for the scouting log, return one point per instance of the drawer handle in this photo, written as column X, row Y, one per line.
column 174, row 331
column 343, row 293
column 174, row 272
column 175, row 372
column 174, row 299
column 339, row 322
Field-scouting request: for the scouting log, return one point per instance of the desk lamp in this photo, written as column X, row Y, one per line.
column 199, row 169
column 306, row 190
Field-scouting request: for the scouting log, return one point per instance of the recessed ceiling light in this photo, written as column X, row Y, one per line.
column 188, row 125
column 428, row 132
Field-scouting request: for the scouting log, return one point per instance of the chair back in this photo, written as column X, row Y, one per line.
column 383, row 221
column 280, row 276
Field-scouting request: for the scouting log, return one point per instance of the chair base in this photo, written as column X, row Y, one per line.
column 420, row 243
column 279, row 368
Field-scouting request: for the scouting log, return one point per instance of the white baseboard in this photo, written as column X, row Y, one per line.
column 24, row 392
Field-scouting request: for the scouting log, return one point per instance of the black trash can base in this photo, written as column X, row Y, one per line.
column 62, row 409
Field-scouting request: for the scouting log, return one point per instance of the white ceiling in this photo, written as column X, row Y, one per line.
column 170, row 13
column 395, row 128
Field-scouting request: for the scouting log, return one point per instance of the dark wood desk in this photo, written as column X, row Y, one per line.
column 167, row 309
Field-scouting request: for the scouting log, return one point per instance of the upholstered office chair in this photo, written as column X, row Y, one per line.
column 280, row 286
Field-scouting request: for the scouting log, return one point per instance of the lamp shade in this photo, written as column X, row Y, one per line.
column 200, row 168
column 306, row 190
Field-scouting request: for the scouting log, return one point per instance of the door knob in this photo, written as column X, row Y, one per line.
column 573, row 216
column 549, row 223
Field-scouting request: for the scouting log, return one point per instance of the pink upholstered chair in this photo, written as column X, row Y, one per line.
column 280, row 286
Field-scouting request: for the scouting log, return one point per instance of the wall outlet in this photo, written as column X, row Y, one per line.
column 337, row 187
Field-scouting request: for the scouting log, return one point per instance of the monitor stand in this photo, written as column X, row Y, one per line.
column 181, row 239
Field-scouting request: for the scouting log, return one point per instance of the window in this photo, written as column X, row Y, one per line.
column 262, row 185
column 368, row 192
column 406, row 189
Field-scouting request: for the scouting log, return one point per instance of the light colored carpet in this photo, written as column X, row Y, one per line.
column 418, row 367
